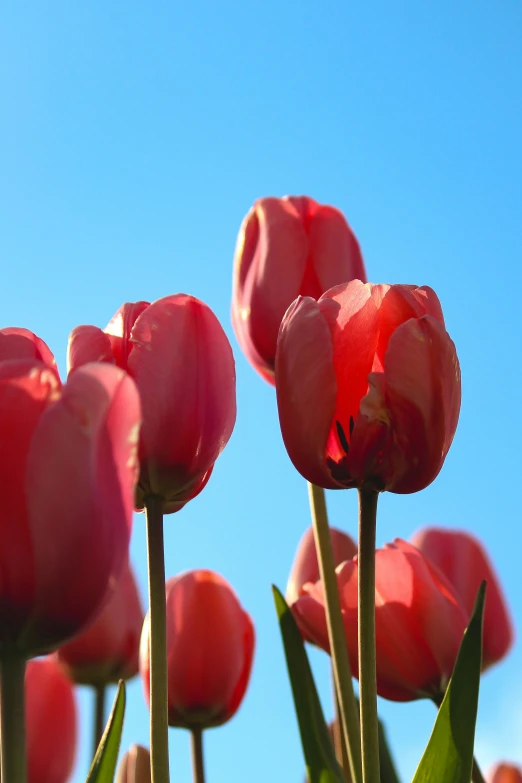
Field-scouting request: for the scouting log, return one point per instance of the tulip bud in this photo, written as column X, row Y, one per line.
column 134, row 766
column 419, row 621
column 210, row 647
column 181, row 360
column 305, row 567
column 18, row 343
column 108, row 650
column 463, row 560
column 368, row 387
column 286, row 247
column 505, row 773
column 51, row 732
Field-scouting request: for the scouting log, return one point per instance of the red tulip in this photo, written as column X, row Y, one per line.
column 51, row 732
column 16, row 343
column 305, row 567
column 463, row 560
column 286, row 247
column 210, row 647
column 134, row 766
column 419, row 621
column 68, row 464
column 368, row 387
column 505, row 773
column 180, row 358
column 108, row 650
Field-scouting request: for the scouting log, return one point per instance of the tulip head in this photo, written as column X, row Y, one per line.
column 465, row 563
column 108, row 650
column 286, row 247
column 17, row 343
column 181, row 360
column 305, row 567
column 368, row 387
column 504, row 773
column 210, row 648
column 134, row 766
column 419, row 621
column 51, row 722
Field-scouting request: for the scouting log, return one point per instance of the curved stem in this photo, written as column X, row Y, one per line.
column 198, row 767
column 367, row 670
column 12, row 718
column 334, row 619
column 99, row 715
column 159, row 741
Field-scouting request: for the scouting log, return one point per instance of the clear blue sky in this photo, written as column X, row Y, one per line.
column 134, row 137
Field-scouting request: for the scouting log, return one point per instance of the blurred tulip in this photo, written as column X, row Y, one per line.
column 181, row 360
column 210, row 647
column 286, row 247
column 505, row 773
column 419, row 621
column 134, row 766
column 463, row 560
column 305, row 567
column 51, row 732
column 16, row 343
column 68, row 461
column 108, row 650
column 368, row 387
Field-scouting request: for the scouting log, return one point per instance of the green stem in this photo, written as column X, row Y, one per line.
column 336, row 637
column 341, row 752
column 99, row 715
column 198, row 767
column 12, row 718
column 159, row 741
column 367, row 669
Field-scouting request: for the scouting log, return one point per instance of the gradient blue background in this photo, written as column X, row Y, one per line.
column 135, row 136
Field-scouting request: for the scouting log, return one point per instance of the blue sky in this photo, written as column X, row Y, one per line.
column 134, row 138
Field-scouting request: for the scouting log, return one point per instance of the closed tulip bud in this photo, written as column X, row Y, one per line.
column 305, row 567
column 505, row 773
column 368, row 387
column 181, row 360
column 108, row 650
column 286, row 247
column 134, row 766
column 210, row 647
column 69, row 464
column 16, row 343
column 51, row 730
column 463, row 560
column 419, row 621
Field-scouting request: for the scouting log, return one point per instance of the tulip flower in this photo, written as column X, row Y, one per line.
column 16, row 343
column 505, row 773
column 134, row 766
column 419, row 621
column 305, row 567
column 181, row 360
column 210, row 647
column 51, row 730
column 108, row 650
column 463, row 560
column 68, row 461
column 286, row 247
column 368, row 387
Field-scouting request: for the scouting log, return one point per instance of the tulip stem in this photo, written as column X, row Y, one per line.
column 159, row 741
column 367, row 668
column 12, row 717
column 334, row 619
column 198, row 767
column 99, row 715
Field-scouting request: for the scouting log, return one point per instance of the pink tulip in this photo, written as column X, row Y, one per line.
column 134, row 766
column 505, row 773
column 18, row 343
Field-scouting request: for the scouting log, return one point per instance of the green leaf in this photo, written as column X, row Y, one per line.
column 103, row 766
column 448, row 757
column 321, row 764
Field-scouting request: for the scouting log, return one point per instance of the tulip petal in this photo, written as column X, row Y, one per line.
column 17, row 343
column 88, row 344
column 334, row 249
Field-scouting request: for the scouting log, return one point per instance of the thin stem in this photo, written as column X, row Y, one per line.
column 336, row 637
column 99, row 715
column 341, row 753
column 476, row 774
column 12, row 718
column 198, row 766
column 367, row 669
column 159, row 742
